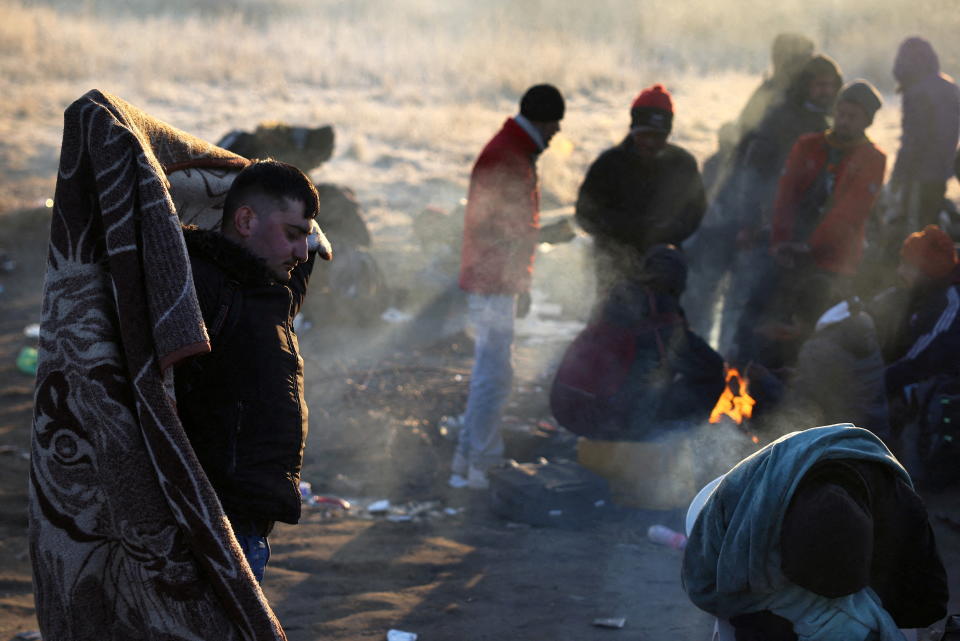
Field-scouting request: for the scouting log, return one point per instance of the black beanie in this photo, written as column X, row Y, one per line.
column 664, row 269
column 542, row 103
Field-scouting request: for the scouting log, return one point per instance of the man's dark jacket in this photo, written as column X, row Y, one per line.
column 629, row 204
column 243, row 404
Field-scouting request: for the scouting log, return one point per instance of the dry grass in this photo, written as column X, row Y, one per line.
column 426, row 79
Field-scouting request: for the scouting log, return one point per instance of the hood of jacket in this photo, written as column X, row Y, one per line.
column 234, row 259
column 915, row 60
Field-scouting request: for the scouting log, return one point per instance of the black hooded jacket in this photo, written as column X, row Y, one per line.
column 242, row 404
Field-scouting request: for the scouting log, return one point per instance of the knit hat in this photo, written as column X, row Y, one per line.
column 860, row 92
column 652, row 110
column 931, row 251
column 542, row 103
column 664, row 269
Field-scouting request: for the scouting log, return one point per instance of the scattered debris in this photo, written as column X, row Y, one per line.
column 612, row 622
column 449, row 426
column 395, row 316
column 300, row 324
column 13, row 450
column 379, row 507
column 399, row 518
column 7, row 264
column 665, row 536
column 32, row 330
column 330, row 506
column 400, row 635
column 27, row 360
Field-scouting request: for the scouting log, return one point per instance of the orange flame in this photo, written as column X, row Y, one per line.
column 737, row 406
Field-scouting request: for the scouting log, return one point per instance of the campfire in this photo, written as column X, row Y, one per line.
column 735, row 402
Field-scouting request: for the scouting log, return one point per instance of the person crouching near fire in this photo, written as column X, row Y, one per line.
column 819, row 535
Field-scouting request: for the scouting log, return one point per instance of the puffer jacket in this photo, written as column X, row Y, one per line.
column 931, row 115
column 242, row 404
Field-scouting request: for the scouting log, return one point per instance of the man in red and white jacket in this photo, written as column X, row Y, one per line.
column 499, row 241
column 829, row 185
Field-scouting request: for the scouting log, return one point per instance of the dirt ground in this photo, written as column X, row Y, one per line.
column 441, row 565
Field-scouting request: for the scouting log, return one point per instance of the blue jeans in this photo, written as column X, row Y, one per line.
column 257, row 551
column 491, row 317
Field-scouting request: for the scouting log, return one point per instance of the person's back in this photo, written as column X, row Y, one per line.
column 839, row 376
column 637, row 371
column 818, row 535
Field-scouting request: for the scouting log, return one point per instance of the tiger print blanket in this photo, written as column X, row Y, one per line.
column 127, row 538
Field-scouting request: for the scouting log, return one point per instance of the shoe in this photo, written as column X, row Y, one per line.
column 459, row 464
column 477, row 479
column 457, row 482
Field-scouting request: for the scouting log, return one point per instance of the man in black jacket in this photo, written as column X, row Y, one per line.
column 734, row 235
column 242, row 404
column 640, row 193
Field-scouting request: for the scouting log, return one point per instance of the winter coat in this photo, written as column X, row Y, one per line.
column 839, row 376
column 933, row 333
column 243, row 404
column 503, row 215
column 931, row 116
column 824, row 198
column 819, row 535
column 762, row 155
column 628, row 203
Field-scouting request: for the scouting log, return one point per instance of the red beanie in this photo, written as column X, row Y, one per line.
column 931, row 251
column 656, row 97
column 652, row 110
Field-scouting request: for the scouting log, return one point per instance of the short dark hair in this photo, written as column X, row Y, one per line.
column 273, row 179
column 542, row 103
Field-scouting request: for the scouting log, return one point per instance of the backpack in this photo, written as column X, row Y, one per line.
column 590, row 395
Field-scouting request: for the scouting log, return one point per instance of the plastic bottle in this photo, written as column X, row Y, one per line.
column 27, row 360
column 306, row 491
column 665, row 536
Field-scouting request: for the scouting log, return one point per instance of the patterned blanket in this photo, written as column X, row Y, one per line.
column 127, row 538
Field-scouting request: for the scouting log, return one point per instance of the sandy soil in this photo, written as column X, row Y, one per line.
column 442, row 565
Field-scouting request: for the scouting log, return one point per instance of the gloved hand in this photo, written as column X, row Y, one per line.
column 523, row 304
column 317, row 242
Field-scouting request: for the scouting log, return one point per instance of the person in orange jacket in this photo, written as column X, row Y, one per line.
column 828, row 188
